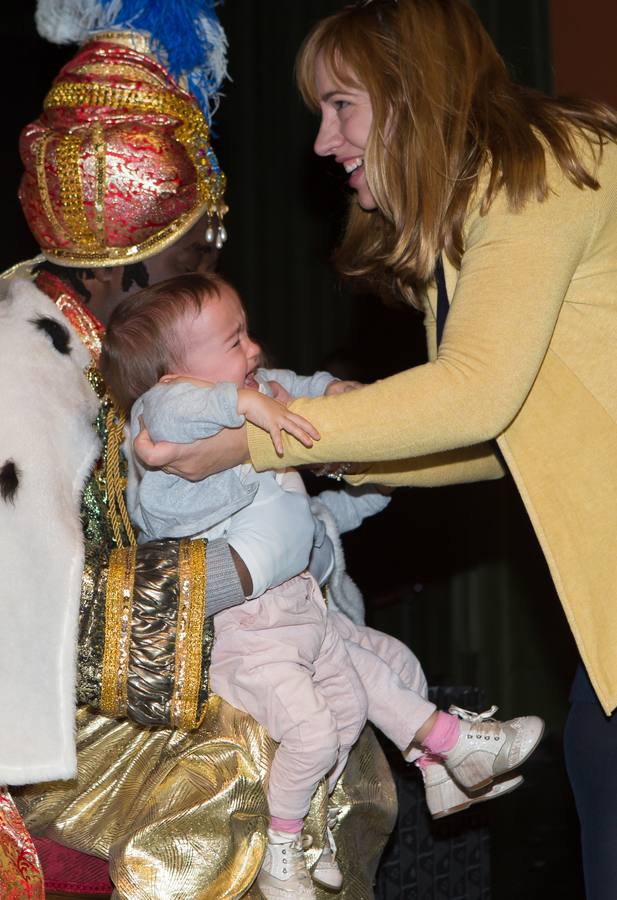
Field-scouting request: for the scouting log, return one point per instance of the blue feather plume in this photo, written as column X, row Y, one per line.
column 192, row 37
column 188, row 38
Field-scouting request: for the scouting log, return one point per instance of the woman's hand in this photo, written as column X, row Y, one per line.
column 194, row 461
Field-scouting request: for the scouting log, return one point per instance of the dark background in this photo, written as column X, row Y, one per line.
column 455, row 572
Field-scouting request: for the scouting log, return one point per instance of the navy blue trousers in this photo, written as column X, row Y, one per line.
column 590, row 745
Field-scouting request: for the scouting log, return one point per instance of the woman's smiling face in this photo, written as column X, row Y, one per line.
column 346, row 119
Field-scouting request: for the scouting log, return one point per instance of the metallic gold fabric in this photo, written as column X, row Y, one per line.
column 91, row 630
column 152, row 662
column 183, row 815
column 152, row 669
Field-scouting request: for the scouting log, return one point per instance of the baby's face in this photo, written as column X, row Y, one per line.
column 216, row 344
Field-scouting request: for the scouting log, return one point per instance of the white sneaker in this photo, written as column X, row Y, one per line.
column 444, row 797
column 326, row 872
column 283, row 874
column 486, row 749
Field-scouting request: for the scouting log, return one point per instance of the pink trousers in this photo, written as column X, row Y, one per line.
column 312, row 678
column 393, row 679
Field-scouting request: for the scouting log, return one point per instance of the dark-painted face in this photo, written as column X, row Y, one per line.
column 190, row 253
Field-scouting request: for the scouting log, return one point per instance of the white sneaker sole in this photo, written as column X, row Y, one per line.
column 334, row 888
column 501, row 786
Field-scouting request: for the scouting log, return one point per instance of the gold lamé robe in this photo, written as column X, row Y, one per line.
column 184, row 815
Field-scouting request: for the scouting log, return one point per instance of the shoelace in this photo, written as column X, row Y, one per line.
column 470, row 716
column 481, row 724
column 295, row 860
column 330, row 845
column 332, row 819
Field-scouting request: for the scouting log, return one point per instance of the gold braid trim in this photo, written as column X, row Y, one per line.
column 100, row 182
column 118, row 514
column 41, row 178
column 69, row 176
column 118, row 612
column 191, row 611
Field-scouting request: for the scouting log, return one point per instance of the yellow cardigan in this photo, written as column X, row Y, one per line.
column 529, row 357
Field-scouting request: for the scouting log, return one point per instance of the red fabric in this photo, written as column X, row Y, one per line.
column 20, row 872
column 71, row 871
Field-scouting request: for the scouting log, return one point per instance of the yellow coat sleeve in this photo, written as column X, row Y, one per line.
column 477, row 463
column 515, row 273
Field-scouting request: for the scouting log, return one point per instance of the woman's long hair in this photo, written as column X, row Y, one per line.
column 445, row 114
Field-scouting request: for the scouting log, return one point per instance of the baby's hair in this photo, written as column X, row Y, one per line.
column 142, row 342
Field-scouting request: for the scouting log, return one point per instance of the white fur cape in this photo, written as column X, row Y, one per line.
column 47, row 447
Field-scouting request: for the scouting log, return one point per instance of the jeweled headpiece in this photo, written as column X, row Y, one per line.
column 120, row 164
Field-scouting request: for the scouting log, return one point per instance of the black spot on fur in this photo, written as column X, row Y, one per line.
column 9, row 481
column 56, row 331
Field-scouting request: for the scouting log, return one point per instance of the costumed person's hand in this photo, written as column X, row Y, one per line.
column 341, row 387
column 274, row 417
column 197, row 460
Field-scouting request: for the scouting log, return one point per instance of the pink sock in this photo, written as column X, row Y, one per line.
column 290, row 826
column 443, row 735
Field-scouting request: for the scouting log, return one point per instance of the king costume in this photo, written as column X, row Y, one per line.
column 157, row 777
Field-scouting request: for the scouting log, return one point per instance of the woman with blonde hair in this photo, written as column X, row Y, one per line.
column 493, row 209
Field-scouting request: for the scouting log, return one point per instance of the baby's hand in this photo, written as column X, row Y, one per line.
column 279, row 393
column 341, row 387
column 273, row 417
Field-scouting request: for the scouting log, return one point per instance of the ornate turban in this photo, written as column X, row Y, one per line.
column 120, row 164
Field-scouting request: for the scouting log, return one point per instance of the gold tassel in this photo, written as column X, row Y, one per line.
column 118, row 515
